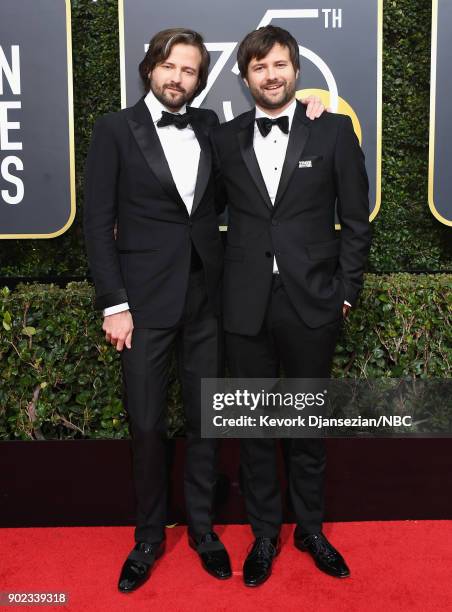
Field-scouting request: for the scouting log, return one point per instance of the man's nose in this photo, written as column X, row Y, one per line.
column 177, row 75
column 271, row 74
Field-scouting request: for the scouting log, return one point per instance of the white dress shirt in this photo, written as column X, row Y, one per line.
column 271, row 153
column 182, row 152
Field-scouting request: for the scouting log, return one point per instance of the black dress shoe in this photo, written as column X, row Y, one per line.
column 326, row 557
column 258, row 564
column 137, row 567
column 214, row 556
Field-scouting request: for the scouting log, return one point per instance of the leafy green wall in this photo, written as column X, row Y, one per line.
column 60, row 379
column 406, row 235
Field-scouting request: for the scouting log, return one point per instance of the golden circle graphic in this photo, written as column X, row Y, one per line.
column 343, row 106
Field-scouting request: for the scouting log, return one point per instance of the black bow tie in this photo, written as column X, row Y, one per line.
column 180, row 121
column 265, row 124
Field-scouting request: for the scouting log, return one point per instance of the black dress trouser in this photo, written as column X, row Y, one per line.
column 145, row 368
column 303, row 352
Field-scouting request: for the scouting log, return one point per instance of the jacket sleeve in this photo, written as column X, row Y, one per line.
column 352, row 187
column 100, row 213
column 220, row 188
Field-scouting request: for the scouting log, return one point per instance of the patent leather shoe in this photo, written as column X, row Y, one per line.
column 138, row 565
column 214, row 556
column 258, row 564
column 325, row 556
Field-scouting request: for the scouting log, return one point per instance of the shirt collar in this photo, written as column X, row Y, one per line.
column 156, row 107
column 289, row 112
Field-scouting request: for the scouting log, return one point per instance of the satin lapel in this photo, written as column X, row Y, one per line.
column 145, row 134
column 205, row 163
column 245, row 136
column 299, row 134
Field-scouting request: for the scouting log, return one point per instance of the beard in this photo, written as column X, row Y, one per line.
column 265, row 100
column 170, row 98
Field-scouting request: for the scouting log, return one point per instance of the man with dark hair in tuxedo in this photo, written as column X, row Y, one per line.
column 149, row 178
column 289, row 279
column 149, row 174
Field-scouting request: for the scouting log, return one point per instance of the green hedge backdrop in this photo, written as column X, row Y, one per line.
column 59, row 379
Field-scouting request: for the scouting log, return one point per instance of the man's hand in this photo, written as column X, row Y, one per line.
column 118, row 329
column 345, row 310
column 315, row 107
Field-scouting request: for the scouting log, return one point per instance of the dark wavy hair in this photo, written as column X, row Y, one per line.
column 258, row 43
column 160, row 48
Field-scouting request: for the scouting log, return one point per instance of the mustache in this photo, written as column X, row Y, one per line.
column 271, row 83
column 174, row 86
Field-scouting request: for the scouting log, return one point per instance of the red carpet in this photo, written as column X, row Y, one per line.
column 395, row 566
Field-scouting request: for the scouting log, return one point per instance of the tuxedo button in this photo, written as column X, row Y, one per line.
column 268, row 254
column 275, row 222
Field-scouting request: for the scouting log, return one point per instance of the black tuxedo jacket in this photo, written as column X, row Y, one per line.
column 128, row 184
column 319, row 268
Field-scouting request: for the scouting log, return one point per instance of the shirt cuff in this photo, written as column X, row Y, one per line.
column 348, row 303
column 116, row 308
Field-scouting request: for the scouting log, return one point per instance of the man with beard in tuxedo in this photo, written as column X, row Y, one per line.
column 289, row 279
